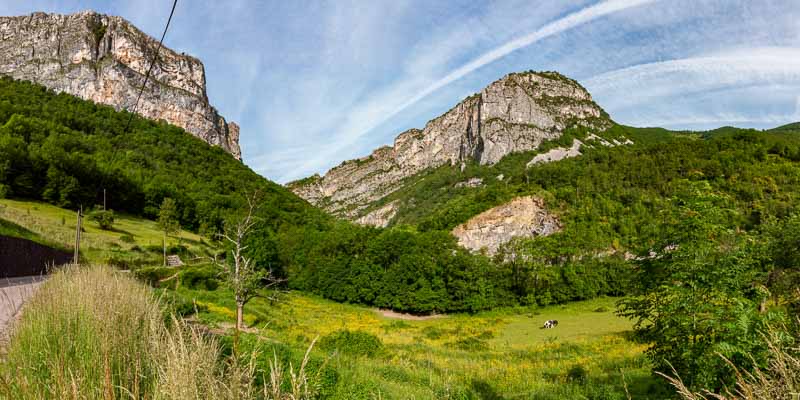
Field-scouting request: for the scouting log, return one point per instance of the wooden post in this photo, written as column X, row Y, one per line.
column 76, row 257
column 77, row 239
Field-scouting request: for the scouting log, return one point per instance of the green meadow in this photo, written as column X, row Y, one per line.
column 502, row 354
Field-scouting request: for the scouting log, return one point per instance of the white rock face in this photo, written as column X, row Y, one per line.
column 557, row 154
column 521, row 217
column 516, row 113
column 104, row 59
column 560, row 153
column 379, row 217
column 470, row 183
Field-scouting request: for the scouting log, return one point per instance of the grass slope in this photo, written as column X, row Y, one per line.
column 68, row 152
column 133, row 239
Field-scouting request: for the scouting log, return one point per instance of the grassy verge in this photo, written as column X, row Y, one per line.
column 92, row 333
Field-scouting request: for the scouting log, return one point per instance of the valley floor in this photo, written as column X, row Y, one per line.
column 494, row 355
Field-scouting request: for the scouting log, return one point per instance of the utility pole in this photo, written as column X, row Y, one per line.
column 104, row 199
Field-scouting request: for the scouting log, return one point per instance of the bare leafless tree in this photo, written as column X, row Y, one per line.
column 243, row 276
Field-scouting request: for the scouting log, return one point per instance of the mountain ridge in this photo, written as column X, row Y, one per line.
column 104, row 59
column 516, row 113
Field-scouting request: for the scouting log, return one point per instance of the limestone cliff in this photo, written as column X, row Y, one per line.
column 521, row 217
column 514, row 114
column 104, row 59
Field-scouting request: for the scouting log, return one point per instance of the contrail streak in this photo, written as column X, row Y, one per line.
column 573, row 20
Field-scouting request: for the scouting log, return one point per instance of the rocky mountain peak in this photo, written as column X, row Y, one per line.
column 104, row 59
column 513, row 114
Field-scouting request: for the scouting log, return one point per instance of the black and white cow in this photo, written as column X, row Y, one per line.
column 551, row 323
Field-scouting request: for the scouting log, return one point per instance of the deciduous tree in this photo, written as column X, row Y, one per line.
column 244, row 277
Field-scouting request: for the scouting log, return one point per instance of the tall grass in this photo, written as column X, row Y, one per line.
column 92, row 333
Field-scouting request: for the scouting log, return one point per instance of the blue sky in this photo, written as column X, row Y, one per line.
column 316, row 83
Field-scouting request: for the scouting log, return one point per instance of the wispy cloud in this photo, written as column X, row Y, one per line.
column 667, row 92
column 797, row 109
column 739, row 67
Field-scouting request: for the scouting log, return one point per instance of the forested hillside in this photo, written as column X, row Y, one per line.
column 66, row 151
column 612, row 201
column 615, row 204
column 734, row 160
column 699, row 231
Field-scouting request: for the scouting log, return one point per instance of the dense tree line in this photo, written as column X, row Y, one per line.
column 701, row 293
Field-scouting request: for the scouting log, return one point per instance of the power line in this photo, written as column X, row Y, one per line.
column 152, row 63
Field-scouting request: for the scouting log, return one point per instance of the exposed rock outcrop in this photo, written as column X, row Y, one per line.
column 379, row 217
column 104, row 59
column 560, row 153
column 557, row 154
column 521, row 217
column 470, row 183
column 514, row 114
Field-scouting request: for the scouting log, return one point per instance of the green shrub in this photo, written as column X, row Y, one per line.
column 433, row 333
column 152, row 275
column 104, row 219
column 177, row 249
column 577, row 374
column 126, row 261
column 179, row 305
column 203, row 278
column 127, row 239
column 154, row 248
column 355, row 343
column 470, row 344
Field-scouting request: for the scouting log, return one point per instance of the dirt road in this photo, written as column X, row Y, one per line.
column 13, row 293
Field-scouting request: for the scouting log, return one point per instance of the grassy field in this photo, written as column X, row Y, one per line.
column 131, row 237
column 496, row 355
